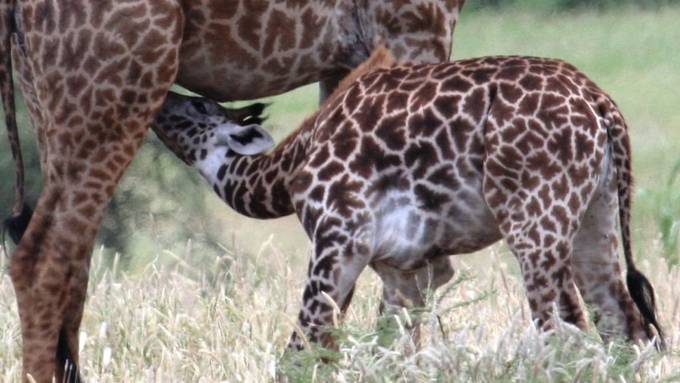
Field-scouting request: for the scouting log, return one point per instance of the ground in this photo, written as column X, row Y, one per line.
column 181, row 311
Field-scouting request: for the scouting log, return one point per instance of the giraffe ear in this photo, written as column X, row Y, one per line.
column 249, row 140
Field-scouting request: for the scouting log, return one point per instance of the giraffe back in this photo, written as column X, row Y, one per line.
column 422, row 138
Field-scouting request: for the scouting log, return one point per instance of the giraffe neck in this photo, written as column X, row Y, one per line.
column 257, row 186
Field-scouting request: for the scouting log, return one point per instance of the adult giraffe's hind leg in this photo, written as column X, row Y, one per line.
column 97, row 104
column 541, row 240
column 538, row 185
column 547, row 273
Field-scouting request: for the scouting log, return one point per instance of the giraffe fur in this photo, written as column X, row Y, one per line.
column 233, row 42
column 412, row 163
column 95, row 74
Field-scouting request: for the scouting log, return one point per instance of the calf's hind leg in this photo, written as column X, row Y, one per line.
column 597, row 270
column 539, row 227
column 406, row 289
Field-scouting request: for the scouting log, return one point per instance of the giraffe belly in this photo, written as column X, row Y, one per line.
column 406, row 234
column 234, row 52
column 226, row 82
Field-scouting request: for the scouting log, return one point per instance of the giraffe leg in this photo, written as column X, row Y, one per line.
column 50, row 267
column 538, row 196
column 541, row 240
column 406, row 289
column 400, row 291
column 94, row 124
column 548, row 276
column 597, row 270
column 435, row 274
column 333, row 271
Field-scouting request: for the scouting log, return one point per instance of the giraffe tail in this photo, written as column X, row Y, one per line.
column 639, row 287
column 17, row 223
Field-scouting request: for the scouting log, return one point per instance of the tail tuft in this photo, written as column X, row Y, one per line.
column 16, row 225
column 642, row 292
column 639, row 287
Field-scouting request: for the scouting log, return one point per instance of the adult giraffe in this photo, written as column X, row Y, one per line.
column 94, row 74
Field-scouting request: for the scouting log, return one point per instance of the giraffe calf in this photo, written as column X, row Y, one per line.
column 409, row 164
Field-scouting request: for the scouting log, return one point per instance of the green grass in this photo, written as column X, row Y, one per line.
column 221, row 307
column 631, row 54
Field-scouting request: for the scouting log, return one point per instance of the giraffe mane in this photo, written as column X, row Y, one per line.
column 381, row 58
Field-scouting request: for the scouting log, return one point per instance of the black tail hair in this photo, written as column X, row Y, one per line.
column 639, row 287
column 642, row 292
column 17, row 223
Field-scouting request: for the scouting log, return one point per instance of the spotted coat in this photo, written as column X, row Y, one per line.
column 95, row 73
column 414, row 163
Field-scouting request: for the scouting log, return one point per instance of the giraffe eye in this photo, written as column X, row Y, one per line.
column 199, row 106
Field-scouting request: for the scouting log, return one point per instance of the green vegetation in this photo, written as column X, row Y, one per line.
column 666, row 211
column 199, row 292
column 564, row 5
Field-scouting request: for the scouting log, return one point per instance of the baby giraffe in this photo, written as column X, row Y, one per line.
column 405, row 165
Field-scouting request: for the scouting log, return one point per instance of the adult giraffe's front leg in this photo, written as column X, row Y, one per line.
column 96, row 105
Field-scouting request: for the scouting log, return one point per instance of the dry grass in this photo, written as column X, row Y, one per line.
column 231, row 320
